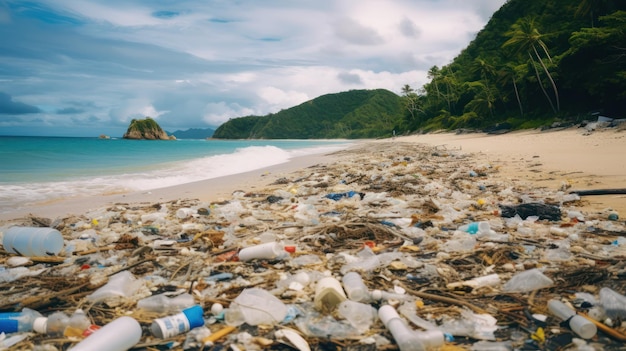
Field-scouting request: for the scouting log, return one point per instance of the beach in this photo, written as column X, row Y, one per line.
column 449, row 229
column 570, row 159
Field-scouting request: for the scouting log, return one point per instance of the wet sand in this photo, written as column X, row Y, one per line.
column 564, row 159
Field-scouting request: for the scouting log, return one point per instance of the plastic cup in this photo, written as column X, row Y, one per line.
column 33, row 241
column 266, row 251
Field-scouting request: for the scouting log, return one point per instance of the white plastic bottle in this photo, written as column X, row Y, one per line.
column 119, row 335
column 265, row 251
column 170, row 326
column 405, row 337
column 579, row 324
column 25, row 321
column 32, row 241
column 355, row 288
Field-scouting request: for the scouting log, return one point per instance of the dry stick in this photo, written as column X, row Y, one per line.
column 131, row 266
column 97, row 249
column 179, row 269
column 599, row 192
column 453, row 301
column 36, row 301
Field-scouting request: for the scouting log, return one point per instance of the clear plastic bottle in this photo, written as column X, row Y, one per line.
column 25, row 321
column 56, row 323
column 78, row 323
column 162, row 303
column 355, row 288
column 579, row 324
column 170, row 326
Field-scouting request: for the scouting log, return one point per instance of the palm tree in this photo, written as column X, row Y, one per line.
column 433, row 75
column 411, row 100
column 448, row 78
column 509, row 72
column 593, row 8
column 524, row 36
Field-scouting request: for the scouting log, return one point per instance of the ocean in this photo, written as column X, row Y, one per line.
column 42, row 169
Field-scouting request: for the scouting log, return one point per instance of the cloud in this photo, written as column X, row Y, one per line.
column 193, row 63
column 10, row 107
column 409, row 29
column 349, row 78
column 356, row 33
column 69, row 111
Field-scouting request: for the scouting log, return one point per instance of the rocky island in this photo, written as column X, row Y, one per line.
column 147, row 129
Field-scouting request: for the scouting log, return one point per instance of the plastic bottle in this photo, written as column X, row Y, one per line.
column 384, row 295
column 406, row 338
column 355, row 288
column 162, row 303
column 266, row 251
column 179, row 323
column 56, row 323
column 33, row 241
column 119, row 335
column 25, row 321
column 579, row 324
column 78, row 323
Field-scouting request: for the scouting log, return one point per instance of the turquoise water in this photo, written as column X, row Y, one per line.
column 35, row 169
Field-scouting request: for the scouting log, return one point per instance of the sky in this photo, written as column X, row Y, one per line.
column 88, row 67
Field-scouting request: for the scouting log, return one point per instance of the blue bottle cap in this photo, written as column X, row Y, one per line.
column 194, row 315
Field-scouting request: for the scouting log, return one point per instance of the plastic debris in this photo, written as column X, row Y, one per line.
column 310, row 261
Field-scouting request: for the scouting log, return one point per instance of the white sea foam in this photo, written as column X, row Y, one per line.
column 14, row 196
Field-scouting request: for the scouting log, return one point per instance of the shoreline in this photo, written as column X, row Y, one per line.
column 562, row 159
column 208, row 190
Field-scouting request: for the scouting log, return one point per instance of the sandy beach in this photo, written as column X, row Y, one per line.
column 570, row 159
column 398, row 211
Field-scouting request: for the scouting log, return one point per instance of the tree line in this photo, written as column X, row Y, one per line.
column 536, row 61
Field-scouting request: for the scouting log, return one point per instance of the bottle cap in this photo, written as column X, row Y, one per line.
column 377, row 294
column 40, row 324
column 194, row 315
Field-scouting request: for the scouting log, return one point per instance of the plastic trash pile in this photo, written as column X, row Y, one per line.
column 393, row 246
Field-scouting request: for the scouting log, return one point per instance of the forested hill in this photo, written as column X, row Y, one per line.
column 351, row 114
column 536, row 61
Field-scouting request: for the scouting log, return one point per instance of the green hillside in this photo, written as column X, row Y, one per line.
column 352, row 114
column 535, row 62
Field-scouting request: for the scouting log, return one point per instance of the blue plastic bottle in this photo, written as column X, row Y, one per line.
column 25, row 321
column 170, row 326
